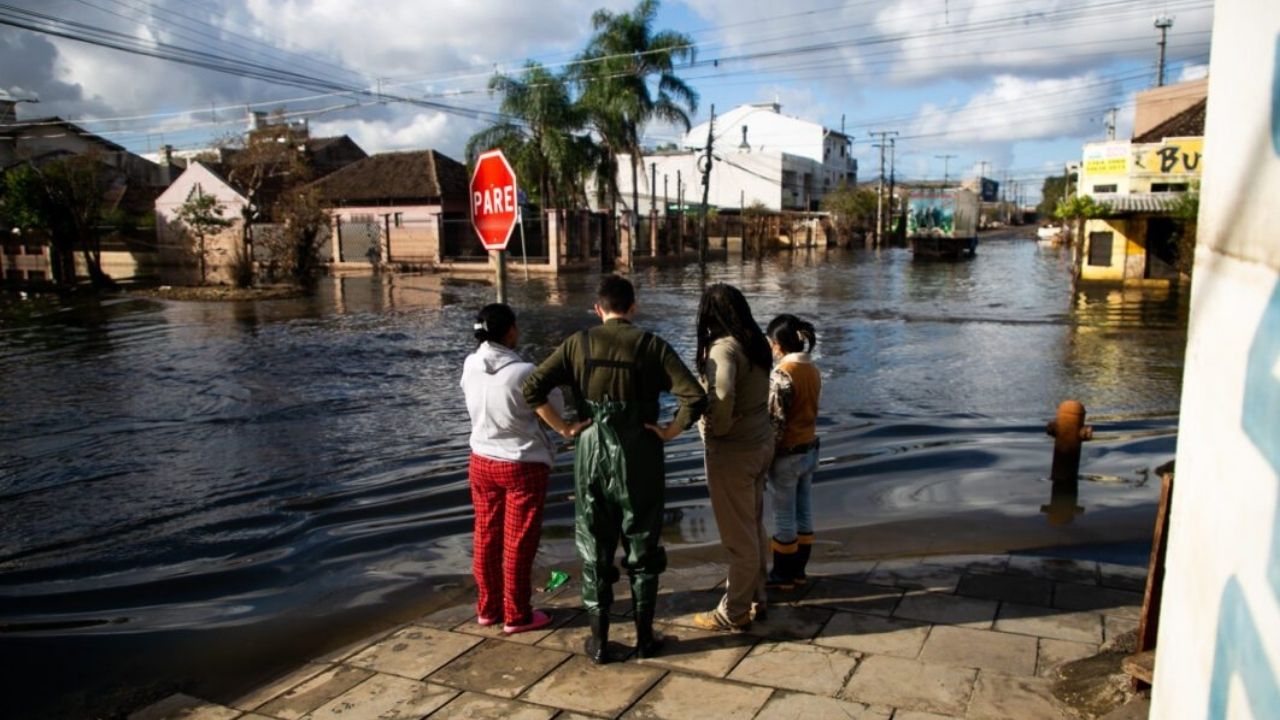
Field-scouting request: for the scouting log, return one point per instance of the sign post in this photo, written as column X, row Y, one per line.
column 495, row 210
column 524, row 250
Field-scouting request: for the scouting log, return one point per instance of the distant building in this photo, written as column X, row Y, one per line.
column 400, row 207
column 1140, row 180
column 763, row 156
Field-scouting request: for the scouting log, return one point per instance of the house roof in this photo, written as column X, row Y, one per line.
column 396, row 177
column 56, row 126
column 1188, row 123
column 1139, row 203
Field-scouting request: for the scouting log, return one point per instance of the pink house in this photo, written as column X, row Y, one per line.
column 402, row 208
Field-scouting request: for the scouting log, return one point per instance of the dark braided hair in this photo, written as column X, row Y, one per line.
column 792, row 334
column 724, row 311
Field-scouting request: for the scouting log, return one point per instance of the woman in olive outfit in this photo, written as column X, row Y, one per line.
column 733, row 362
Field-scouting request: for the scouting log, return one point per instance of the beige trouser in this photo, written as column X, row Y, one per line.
column 735, row 479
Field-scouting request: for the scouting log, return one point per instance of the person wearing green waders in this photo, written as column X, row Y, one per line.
column 617, row 372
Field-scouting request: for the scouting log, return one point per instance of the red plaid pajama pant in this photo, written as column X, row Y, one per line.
column 508, row 498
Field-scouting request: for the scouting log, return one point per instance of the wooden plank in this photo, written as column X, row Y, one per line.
column 1148, row 626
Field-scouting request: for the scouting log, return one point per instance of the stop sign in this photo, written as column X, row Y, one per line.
column 494, row 200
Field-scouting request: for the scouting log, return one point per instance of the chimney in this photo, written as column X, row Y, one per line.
column 166, row 167
column 8, row 112
column 744, row 145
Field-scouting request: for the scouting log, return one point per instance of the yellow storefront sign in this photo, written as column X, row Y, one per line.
column 1176, row 156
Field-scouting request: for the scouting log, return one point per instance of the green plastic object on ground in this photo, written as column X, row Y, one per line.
column 558, row 578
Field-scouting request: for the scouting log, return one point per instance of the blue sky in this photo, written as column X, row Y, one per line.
column 1018, row 83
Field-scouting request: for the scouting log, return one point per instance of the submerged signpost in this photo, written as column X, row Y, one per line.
column 495, row 209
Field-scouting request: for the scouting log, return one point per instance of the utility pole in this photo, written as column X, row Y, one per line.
column 884, row 136
column 705, row 161
column 946, row 162
column 892, row 179
column 680, row 206
column 666, row 210
column 1111, row 123
column 1163, row 23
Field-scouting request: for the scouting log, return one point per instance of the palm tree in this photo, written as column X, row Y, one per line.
column 537, row 132
column 627, row 79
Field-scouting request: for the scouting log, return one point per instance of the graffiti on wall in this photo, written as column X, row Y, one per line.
column 931, row 216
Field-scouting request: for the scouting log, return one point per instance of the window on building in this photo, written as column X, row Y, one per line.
column 841, row 151
column 1105, row 188
column 35, row 275
column 399, row 219
column 1168, row 187
column 13, row 275
column 1100, row 248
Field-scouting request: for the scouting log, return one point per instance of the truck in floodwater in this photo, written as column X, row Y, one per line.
column 942, row 224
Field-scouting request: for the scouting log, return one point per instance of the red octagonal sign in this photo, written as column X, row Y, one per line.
column 494, row 205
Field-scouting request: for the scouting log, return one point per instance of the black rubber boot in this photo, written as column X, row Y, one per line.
column 801, row 559
column 647, row 643
column 597, row 646
column 782, row 576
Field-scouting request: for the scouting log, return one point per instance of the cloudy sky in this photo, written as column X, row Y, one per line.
column 1017, row 83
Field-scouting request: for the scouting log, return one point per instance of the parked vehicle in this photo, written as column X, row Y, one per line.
column 1050, row 234
column 943, row 224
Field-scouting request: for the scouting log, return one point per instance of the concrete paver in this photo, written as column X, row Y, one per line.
column 185, row 707
column 1123, row 577
column 1056, row 653
column 911, row 684
column 1045, row 622
column 790, row 706
column 559, row 618
column 679, row 697
column 963, row 647
column 1113, row 627
column 263, row 693
column 385, row 697
column 302, row 699
column 846, row 646
column 414, row 652
column 1023, row 589
column 1120, row 603
column 915, row 575
column 473, row 706
column 701, row 652
column 504, row 669
column 793, row 666
column 847, row 570
column 856, row 596
column 874, row 635
column 999, row 697
column 579, row 686
column 1060, row 569
column 947, row 610
column 570, row 638
column 791, row 622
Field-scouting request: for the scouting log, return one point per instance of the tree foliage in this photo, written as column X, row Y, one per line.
column 542, row 133
column 202, row 214
column 627, row 79
column 295, row 249
column 1052, row 192
column 64, row 199
column 853, row 210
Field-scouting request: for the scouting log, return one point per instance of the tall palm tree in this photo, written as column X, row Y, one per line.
column 627, row 79
column 537, row 132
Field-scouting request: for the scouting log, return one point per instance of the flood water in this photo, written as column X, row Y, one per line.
column 193, row 492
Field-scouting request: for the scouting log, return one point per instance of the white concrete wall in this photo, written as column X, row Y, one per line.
column 757, row 175
column 1218, row 652
column 178, row 254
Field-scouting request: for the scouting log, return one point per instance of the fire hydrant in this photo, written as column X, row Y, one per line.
column 1068, row 430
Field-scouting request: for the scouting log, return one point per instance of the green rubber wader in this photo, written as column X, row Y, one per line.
column 620, row 482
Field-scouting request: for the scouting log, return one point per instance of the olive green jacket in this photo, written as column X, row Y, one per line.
column 615, row 344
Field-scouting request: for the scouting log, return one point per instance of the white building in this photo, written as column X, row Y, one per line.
column 784, row 162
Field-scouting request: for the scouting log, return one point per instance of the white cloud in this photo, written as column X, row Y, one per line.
column 1014, row 108
column 1194, row 72
column 427, row 129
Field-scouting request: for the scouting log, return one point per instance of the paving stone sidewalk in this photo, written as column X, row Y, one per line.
column 905, row 639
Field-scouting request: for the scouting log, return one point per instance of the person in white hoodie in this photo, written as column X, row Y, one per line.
column 510, row 463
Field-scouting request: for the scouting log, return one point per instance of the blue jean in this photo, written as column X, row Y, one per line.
column 790, row 487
